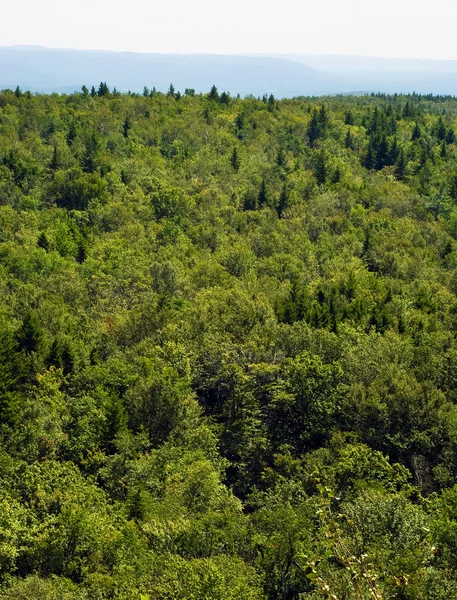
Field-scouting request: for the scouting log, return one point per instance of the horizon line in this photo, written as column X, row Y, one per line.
column 30, row 47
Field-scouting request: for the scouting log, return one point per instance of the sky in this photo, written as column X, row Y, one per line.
column 386, row 28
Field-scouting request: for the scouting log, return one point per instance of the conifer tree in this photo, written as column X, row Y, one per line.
column 103, row 89
column 71, row 133
column 213, row 94
column 30, row 335
column 262, row 198
column 10, row 400
column 126, row 127
column 55, row 159
column 450, row 136
column 89, row 158
column 320, row 168
column 441, row 130
column 283, row 202
column 348, row 142
column 349, row 118
column 224, row 98
column 400, row 167
column 314, row 128
column 235, row 159
column 443, row 149
column 43, row 241
column 81, row 253
column 416, row 132
column 336, row 177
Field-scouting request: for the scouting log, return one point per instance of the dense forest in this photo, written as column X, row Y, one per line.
column 228, row 358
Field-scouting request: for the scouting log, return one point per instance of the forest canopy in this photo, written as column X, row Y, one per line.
column 228, row 354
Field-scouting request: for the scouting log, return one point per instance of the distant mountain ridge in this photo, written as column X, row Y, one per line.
column 65, row 70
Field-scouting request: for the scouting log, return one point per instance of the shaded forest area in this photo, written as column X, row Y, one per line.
column 228, row 358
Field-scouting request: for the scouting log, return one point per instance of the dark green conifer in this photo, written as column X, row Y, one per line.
column 262, row 198
column 213, row 94
column 320, row 168
column 55, row 159
column 103, row 89
column 348, row 142
column 43, row 241
column 30, row 335
column 224, row 98
column 400, row 167
column 126, row 127
column 314, row 128
column 235, row 159
column 283, row 201
column 443, row 149
column 349, row 118
column 416, row 132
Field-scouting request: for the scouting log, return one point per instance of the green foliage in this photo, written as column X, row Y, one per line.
column 227, row 346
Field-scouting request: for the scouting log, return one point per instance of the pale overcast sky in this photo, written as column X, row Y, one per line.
column 390, row 28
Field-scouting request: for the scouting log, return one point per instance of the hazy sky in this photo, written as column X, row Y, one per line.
column 391, row 28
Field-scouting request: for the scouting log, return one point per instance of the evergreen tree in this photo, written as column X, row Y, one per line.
column 239, row 123
column 81, row 253
column 93, row 92
column 281, row 158
column 314, row 128
column 43, row 241
column 400, row 167
column 171, row 91
column 235, row 160
column 10, row 399
column 262, row 198
column 126, row 127
column 224, row 98
column 71, row 136
column 349, row 118
column 348, row 142
column 336, row 178
column 324, row 119
column 30, row 335
column 441, row 129
column 55, row 159
column 453, row 187
column 443, row 149
column 416, row 132
column 213, row 94
column 89, row 158
column 146, row 92
column 283, row 202
column 320, row 168
column 103, row 89
column 85, row 91
column 382, row 153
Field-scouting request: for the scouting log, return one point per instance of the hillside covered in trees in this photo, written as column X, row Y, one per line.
column 228, row 358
